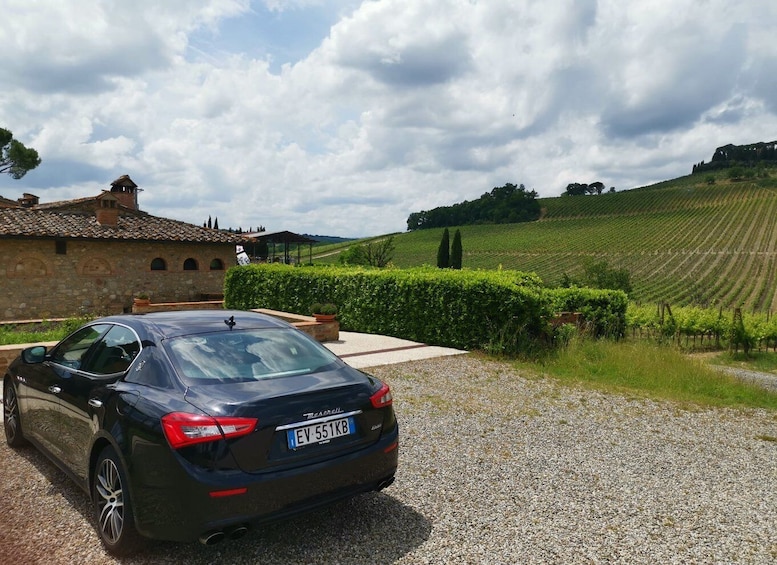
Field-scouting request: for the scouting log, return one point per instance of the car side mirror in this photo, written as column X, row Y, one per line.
column 34, row 354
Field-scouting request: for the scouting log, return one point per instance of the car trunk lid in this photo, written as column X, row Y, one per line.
column 301, row 418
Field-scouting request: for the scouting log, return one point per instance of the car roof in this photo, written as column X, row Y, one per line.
column 185, row 322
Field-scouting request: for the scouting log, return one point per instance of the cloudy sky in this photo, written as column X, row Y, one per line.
column 341, row 117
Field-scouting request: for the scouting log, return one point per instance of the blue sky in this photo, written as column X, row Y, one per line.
column 281, row 36
column 343, row 117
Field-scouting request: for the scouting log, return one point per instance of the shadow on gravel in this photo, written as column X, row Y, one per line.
column 371, row 528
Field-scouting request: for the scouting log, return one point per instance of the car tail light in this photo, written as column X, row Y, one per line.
column 228, row 492
column 182, row 429
column 382, row 398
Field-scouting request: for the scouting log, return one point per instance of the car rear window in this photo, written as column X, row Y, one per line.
column 246, row 355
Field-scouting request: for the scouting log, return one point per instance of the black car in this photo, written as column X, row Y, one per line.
column 189, row 425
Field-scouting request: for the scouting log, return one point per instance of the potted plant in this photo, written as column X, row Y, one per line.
column 141, row 299
column 323, row 312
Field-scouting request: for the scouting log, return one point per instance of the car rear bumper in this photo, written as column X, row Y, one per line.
column 181, row 506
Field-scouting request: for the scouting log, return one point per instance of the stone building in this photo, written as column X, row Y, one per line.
column 93, row 255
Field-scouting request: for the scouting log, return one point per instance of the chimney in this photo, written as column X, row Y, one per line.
column 107, row 212
column 126, row 192
column 28, row 200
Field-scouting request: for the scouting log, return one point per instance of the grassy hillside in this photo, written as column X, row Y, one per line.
column 683, row 241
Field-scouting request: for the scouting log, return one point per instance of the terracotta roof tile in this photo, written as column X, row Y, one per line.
column 6, row 203
column 138, row 226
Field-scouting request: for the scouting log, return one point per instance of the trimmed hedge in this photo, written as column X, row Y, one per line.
column 462, row 309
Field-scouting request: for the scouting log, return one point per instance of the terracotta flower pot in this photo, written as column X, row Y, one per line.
column 325, row 317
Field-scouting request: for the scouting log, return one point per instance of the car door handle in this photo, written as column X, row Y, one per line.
column 54, row 389
column 94, row 403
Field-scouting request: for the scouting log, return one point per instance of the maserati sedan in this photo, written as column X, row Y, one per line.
column 192, row 425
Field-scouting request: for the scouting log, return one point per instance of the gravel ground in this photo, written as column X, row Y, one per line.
column 494, row 468
column 764, row 380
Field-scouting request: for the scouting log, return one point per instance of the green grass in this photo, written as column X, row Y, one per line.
column 9, row 337
column 44, row 331
column 652, row 371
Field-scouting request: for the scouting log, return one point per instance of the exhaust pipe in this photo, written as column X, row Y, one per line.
column 212, row 537
column 236, row 532
column 215, row 536
column 385, row 483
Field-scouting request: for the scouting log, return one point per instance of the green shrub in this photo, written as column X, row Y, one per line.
column 504, row 310
column 449, row 308
column 327, row 308
column 603, row 312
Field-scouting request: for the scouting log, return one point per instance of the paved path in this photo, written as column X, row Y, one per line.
column 367, row 350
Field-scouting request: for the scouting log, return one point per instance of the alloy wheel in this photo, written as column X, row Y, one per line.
column 13, row 432
column 110, row 501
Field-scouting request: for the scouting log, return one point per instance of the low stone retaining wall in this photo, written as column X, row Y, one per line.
column 321, row 331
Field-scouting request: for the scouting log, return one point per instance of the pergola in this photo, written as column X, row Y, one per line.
column 277, row 241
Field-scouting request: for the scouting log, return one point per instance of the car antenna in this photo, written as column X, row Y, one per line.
column 231, row 322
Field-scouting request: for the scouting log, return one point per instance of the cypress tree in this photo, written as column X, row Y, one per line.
column 456, row 251
column 443, row 252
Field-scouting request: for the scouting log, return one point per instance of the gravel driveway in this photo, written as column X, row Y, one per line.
column 494, row 468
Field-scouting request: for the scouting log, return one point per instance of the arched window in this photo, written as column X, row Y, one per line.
column 190, row 265
column 158, row 264
column 217, row 265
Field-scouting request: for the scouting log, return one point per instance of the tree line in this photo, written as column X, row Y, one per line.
column 506, row 204
column 583, row 189
column 750, row 155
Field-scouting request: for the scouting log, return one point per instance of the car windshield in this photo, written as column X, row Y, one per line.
column 246, row 355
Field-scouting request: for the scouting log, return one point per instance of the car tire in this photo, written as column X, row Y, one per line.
column 11, row 420
column 113, row 506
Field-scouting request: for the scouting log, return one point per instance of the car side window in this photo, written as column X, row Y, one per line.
column 72, row 351
column 114, row 353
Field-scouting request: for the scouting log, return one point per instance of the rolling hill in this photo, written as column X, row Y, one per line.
column 684, row 241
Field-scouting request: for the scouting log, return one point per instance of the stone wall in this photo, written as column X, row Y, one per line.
column 46, row 278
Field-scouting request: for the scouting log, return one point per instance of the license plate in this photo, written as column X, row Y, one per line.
column 321, row 432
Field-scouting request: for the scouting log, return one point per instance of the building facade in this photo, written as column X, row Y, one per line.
column 93, row 255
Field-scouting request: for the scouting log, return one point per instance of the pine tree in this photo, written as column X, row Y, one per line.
column 443, row 252
column 456, row 251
